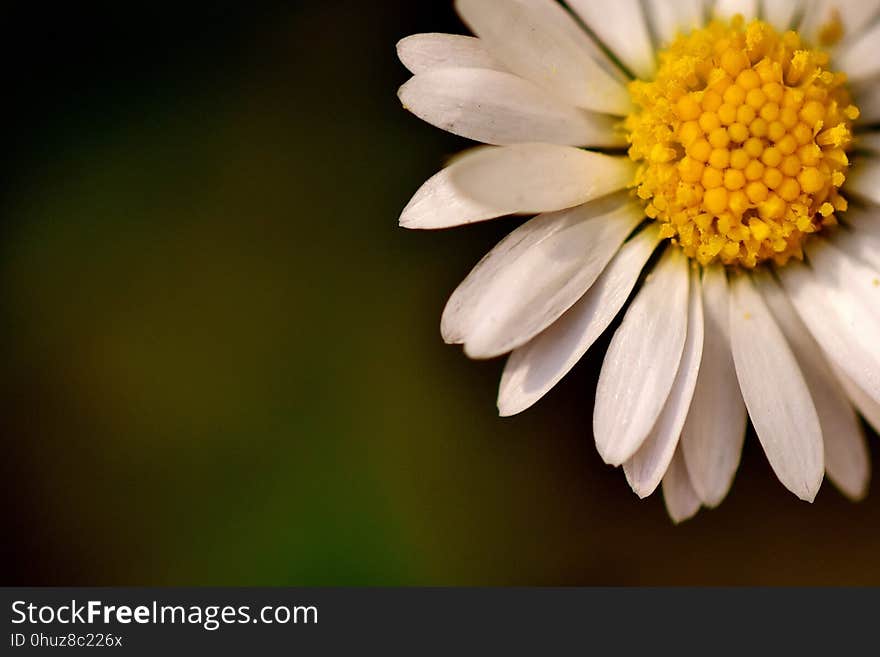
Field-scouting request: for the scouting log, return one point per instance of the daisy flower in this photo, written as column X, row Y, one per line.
column 713, row 161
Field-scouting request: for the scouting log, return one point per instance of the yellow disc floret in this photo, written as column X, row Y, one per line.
column 741, row 141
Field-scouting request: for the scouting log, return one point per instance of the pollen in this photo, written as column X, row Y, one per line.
column 741, row 143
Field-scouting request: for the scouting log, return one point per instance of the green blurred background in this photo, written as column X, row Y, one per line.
column 222, row 361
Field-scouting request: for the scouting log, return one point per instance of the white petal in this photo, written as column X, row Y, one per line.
column 438, row 204
column 846, row 452
column 427, row 52
column 679, row 495
column 534, row 178
column 562, row 20
column 646, row 468
column 867, row 98
column 529, row 37
column 863, row 221
column 621, row 26
column 642, row 361
column 869, row 141
column 500, row 108
column 544, row 281
column 860, row 58
column 532, row 370
column 780, row 13
column 855, row 15
column 860, row 243
column 864, row 179
column 837, row 268
column 775, row 393
column 715, row 429
column 729, row 8
column 869, row 408
column 838, row 321
column 537, row 273
column 668, row 19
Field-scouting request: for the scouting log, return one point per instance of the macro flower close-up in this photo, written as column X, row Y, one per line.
column 702, row 179
column 541, row 301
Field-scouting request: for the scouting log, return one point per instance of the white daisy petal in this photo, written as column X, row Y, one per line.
column 500, row 108
column 816, row 13
column 869, row 408
column 862, row 244
column 813, row 14
column 838, row 322
column 780, row 13
column 860, row 58
column 869, row 141
column 729, row 8
column 715, row 429
column 846, row 452
column 421, row 53
column 838, row 268
column 775, row 393
column 679, row 495
column 642, row 361
column 621, row 26
column 864, row 179
column 531, row 39
column 646, row 468
column 868, row 101
column 537, row 273
column 533, row 369
column 438, row 204
column 562, row 20
column 534, row 178
column 668, row 19
column 854, row 15
column 863, row 221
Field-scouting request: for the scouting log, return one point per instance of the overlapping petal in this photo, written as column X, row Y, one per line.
column 537, row 40
column 500, row 108
column 682, row 502
column 535, row 274
column 668, row 19
column 533, row 369
column 846, row 452
column 646, row 468
column 534, row 178
column 838, row 321
column 854, row 16
column 775, row 393
column 715, row 429
column 642, row 361
column 622, row 27
column 869, row 408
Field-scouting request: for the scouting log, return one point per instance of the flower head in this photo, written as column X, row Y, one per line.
column 741, row 139
column 726, row 163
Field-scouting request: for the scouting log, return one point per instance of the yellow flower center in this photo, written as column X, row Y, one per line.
column 741, row 142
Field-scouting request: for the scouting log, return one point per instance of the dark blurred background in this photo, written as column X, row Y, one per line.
column 221, row 356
